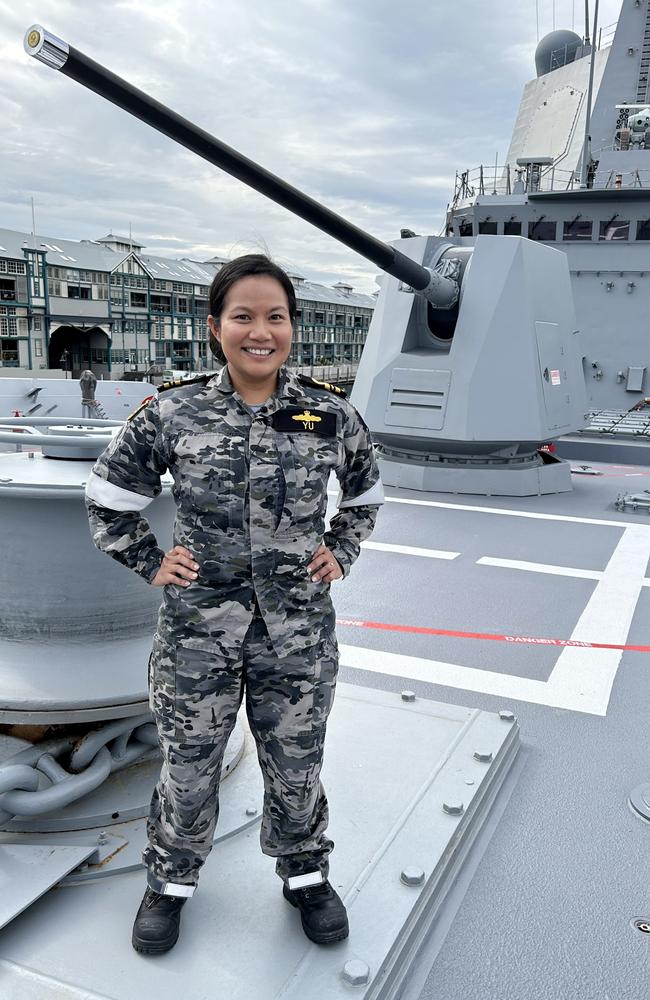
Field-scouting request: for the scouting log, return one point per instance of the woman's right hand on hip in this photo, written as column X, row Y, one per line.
column 178, row 566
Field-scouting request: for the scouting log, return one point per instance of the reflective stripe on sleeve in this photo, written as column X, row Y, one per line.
column 114, row 497
column 375, row 495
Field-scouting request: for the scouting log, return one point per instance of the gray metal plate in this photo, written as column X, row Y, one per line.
column 390, row 765
column 29, row 870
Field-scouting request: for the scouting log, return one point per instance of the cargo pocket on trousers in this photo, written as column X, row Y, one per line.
column 162, row 686
column 325, row 672
column 202, row 691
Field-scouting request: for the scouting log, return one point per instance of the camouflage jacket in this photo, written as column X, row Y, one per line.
column 251, row 492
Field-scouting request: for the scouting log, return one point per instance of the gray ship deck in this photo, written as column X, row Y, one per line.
column 548, row 911
column 544, row 905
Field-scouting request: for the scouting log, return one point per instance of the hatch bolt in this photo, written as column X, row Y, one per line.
column 356, row 972
column 411, row 875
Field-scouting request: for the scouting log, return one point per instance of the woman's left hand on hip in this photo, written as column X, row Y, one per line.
column 324, row 567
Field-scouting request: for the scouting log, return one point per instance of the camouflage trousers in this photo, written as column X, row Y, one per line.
column 287, row 704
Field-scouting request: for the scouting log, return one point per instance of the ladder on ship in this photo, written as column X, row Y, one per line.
column 644, row 67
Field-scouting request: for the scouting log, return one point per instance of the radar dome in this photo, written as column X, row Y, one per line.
column 556, row 49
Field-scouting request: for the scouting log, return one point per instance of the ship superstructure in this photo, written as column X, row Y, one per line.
column 585, row 192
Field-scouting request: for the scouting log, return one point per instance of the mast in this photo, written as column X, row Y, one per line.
column 586, row 149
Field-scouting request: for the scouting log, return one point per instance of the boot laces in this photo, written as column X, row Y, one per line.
column 153, row 898
column 315, row 892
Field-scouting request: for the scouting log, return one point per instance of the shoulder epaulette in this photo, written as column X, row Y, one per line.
column 317, row 384
column 184, row 381
column 168, row 385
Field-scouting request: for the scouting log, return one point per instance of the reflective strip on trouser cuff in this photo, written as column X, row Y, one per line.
column 169, row 888
column 303, row 881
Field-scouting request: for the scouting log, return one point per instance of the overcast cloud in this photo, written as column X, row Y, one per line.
column 368, row 105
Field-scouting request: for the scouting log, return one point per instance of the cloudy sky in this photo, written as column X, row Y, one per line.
column 368, row 105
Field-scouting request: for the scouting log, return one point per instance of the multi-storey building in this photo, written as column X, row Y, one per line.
column 106, row 305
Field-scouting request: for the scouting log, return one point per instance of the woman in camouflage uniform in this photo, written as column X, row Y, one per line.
column 246, row 608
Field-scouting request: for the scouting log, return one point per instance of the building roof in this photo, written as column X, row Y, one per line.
column 311, row 292
column 112, row 238
column 91, row 255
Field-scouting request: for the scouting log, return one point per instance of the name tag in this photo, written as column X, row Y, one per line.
column 294, row 420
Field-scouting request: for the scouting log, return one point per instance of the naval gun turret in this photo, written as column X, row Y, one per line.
column 466, row 370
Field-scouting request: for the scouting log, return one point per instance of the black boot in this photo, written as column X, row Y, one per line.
column 322, row 912
column 157, row 923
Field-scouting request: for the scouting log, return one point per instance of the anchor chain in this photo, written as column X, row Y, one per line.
column 91, row 760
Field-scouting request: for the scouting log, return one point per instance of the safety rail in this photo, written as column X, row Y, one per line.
column 482, row 181
column 506, row 180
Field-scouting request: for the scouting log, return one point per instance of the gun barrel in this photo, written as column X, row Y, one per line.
column 57, row 54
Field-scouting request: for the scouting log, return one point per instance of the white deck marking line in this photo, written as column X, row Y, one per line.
column 586, row 676
column 535, row 567
column 410, row 550
column 507, row 686
column 535, row 515
column 582, row 679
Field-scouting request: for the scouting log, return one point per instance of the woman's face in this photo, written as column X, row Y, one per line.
column 254, row 328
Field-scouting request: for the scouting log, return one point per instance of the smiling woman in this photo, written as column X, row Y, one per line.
column 246, row 608
column 252, row 309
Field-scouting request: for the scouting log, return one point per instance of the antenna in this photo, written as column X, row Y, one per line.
column 586, row 149
column 33, row 217
column 586, row 22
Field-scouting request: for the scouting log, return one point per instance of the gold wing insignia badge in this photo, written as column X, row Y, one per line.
column 307, row 419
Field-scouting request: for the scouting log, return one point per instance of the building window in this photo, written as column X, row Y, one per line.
column 15, row 267
column 487, row 228
column 614, row 230
column 160, row 303
column 138, row 300
column 54, row 287
column 642, row 230
column 181, row 305
column 512, row 228
column 340, row 319
column 7, row 289
column 577, row 230
column 37, row 322
column 38, row 348
column 78, row 292
column 9, row 353
column 465, row 227
column 542, row 230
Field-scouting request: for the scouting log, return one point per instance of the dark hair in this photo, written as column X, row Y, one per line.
column 244, row 267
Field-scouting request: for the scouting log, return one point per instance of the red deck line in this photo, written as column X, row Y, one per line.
column 489, row 636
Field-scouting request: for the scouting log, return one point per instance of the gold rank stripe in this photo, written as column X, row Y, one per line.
column 327, row 385
column 310, row 380
column 140, row 408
